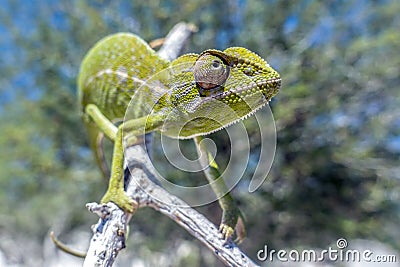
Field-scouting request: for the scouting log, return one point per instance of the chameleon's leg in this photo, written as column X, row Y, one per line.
column 231, row 215
column 97, row 146
column 105, row 125
column 115, row 191
column 129, row 130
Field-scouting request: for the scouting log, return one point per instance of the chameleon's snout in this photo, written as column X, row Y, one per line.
column 276, row 82
column 272, row 88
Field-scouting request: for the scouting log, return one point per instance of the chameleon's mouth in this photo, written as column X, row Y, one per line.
column 268, row 88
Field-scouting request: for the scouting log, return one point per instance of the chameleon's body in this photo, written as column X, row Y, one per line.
column 199, row 94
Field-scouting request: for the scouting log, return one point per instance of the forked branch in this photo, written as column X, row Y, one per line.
column 109, row 232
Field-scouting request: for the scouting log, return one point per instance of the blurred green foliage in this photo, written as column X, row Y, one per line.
column 336, row 171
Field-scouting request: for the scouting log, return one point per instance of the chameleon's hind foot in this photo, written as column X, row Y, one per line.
column 121, row 199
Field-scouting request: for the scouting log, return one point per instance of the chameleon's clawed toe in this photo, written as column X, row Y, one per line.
column 239, row 230
column 121, row 200
column 226, row 231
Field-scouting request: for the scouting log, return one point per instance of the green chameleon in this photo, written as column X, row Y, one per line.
column 196, row 95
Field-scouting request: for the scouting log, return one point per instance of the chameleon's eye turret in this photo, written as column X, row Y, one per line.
column 210, row 72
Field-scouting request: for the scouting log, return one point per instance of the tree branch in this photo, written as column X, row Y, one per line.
column 110, row 232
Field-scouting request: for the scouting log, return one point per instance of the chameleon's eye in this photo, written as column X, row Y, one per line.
column 210, row 72
column 216, row 64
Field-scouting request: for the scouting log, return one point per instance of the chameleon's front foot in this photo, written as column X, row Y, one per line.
column 233, row 224
column 226, row 231
column 121, row 199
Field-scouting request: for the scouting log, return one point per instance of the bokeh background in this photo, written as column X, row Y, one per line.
column 336, row 172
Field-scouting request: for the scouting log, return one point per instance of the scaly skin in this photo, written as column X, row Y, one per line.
column 195, row 95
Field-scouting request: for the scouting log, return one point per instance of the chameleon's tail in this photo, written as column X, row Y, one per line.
column 95, row 141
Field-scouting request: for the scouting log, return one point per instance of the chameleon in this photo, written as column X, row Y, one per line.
column 200, row 94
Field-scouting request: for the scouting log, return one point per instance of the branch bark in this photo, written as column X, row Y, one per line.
column 110, row 231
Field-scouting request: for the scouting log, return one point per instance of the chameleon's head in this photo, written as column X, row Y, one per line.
column 215, row 89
